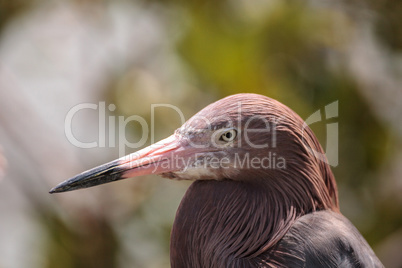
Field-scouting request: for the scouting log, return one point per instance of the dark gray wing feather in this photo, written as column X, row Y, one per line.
column 321, row 239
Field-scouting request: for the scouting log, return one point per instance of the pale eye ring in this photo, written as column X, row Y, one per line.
column 229, row 135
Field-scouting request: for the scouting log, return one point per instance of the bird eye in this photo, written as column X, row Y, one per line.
column 228, row 135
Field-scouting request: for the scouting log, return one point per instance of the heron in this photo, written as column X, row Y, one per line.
column 263, row 193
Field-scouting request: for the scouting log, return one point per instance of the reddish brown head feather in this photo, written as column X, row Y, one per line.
column 285, row 134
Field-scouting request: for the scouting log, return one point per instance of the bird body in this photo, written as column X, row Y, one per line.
column 217, row 228
column 264, row 194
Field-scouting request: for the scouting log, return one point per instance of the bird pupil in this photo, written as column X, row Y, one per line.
column 228, row 135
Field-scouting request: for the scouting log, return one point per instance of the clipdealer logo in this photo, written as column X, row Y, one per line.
column 330, row 111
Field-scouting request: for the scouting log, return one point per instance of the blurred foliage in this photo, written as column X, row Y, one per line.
column 11, row 9
column 388, row 22
column 91, row 243
column 293, row 51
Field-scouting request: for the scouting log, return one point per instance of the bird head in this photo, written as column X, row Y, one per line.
column 243, row 137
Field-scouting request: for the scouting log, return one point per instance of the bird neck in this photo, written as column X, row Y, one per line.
column 221, row 222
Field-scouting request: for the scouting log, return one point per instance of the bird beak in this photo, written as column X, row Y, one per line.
column 168, row 155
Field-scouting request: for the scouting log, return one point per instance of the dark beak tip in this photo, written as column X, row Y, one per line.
column 64, row 186
column 58, row 189
column 52, row 191
column 99, row 175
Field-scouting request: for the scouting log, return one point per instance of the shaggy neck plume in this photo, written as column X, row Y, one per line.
column 235, row 223
column 225, row 214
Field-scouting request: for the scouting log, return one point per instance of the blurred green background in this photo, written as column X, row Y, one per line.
column 55, row 55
